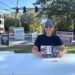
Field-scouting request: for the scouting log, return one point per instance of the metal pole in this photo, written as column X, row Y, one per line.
column 67, row 22
column 17, row 3
column 74, row 25
column 16, row 12
column 15, row 19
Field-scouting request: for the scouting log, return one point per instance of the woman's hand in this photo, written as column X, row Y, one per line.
column 39, row 54
column 60, row 54
column 35, row 51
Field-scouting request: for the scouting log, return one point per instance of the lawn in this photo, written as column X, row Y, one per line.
column 18, row 50
column 69, row 50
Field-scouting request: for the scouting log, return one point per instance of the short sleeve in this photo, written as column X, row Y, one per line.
column 59, row 41
column 37, row 41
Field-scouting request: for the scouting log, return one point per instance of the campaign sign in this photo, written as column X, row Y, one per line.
column 5, row 39
column 19, row 33
column 34, row 36
column 66, row 37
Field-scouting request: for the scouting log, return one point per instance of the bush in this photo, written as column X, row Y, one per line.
column 11, row 28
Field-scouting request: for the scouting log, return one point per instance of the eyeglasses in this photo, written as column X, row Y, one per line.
column 48, row 26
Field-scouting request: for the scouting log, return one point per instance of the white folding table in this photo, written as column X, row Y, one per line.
column 9, row 62
column 28, row 63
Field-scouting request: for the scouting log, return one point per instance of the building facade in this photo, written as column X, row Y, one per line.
column 1, row 23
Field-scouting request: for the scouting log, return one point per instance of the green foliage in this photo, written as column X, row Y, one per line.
column 30, row 22
column 63, row 25
column 32, row 28
column 60, row 11
column 10, row 22
column 39, row 29
column 11, row 29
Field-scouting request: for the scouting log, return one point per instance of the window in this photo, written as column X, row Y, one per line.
column 1, row 29
column 0, row 16
column 0, row 21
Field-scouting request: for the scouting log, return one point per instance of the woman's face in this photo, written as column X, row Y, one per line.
column 49, row 29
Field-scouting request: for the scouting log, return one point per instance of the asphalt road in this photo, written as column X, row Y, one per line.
column 26, row 41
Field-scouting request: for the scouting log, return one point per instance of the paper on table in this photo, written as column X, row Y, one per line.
column 51, row 59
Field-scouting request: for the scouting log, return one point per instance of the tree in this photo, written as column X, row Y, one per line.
column 30, row 21
column 9, row 21
column 56, row 10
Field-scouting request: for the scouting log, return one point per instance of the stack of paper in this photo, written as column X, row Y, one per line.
column 51, row 59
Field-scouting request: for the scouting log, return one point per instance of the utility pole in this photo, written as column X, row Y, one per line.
column 74, row 20
column 15, row 18
column 22, row 8
column 16, row 12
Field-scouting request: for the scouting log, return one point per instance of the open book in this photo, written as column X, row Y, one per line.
column 50, row 53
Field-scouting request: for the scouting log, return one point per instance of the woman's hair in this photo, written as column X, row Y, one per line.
column 44, row 31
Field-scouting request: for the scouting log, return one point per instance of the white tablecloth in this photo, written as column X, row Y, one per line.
column 23, row 63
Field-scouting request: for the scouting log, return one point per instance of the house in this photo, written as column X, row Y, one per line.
column 1, row 23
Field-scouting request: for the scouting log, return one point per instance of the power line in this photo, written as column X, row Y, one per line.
column 17, row 3
column 21, row 3
column 4, row 8
column 12, row 2
column 25, row 2
column 5, row 4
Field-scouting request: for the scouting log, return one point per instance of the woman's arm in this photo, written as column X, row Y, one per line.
column 63, row 51
column 35, row 51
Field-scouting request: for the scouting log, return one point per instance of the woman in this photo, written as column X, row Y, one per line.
column 48, row 39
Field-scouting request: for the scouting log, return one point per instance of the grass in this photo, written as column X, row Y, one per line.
column 69, row 50
column 18, row 50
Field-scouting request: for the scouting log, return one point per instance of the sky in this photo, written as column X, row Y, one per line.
column 8, row 4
